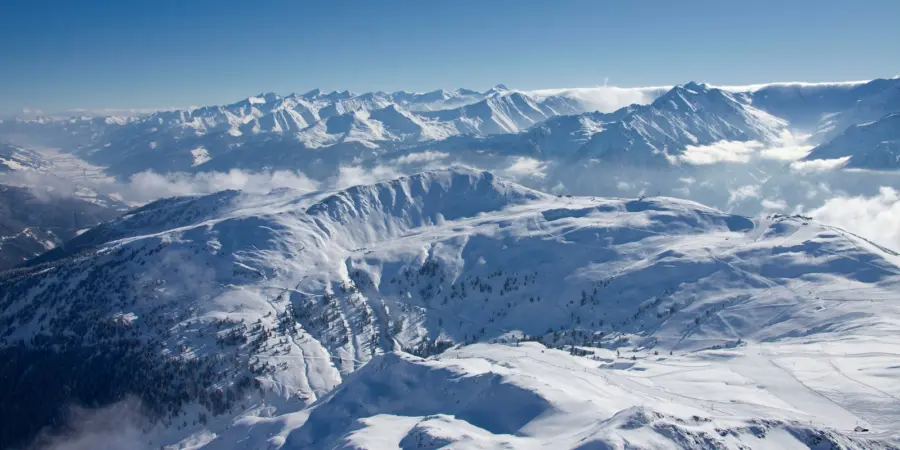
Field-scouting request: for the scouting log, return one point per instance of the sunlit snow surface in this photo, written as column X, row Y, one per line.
column 774, row 333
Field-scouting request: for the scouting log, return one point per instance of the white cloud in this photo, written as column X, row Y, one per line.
column 426, row 156
column 778, row 205
column 605, row 98
column 722, row 151
column 802, row 84
column 683, row 192
column 147, row 186
column 117, row 426
column 788, row 153
column 876, row 218
column 743, row 192
column 818, row 165
column 523, row 167
column 789, row 147
column 356, row 175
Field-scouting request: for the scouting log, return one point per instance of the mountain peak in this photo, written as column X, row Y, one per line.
column 393, row 107
column 335, row 95
column 464, row 91
column 681, row 94
column 695, row 86
column 312, row 94
column 269, row 97
column 428, row 196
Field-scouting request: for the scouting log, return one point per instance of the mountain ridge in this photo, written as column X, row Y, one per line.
column 278, row 298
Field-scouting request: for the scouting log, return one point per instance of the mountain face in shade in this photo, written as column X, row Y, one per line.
column 874, row 145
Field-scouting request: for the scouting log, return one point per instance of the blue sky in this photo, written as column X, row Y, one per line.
column 59, row 55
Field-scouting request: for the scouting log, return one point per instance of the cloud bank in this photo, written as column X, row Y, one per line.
column 147, row 186
column 605, row 98
column 819, row 165
column 722, row 151
column 788, row 147
column 876, row 217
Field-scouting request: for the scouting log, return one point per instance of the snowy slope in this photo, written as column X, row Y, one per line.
column 550, row 399
column 14, row 157
column 654, row 134
column 436, row 100
column 566, row 135
column 692, row 114
column 390, row 123
column 264, row 113
column 664, row 122
column 502, row 112
column 827, row 109
column 34, row 221
column 280, row 297
column 182, row 139
column 39, row 208
column 873, row 145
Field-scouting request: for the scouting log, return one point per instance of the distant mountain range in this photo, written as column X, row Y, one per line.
column 545, row 126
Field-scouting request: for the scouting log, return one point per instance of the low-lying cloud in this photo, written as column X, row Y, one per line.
column 114, row 427
column 422, row 157
column 876, row 217
column 525, row 167
column 752, row 180
column 773, row 205
column 788, row 147
column 605, row 98
column 819, row 165
column 355, row 175
column 743, row 193
column 722, row 151
column 147, row 186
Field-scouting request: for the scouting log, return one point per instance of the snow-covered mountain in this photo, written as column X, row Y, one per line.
column 40, row 210
column 554, row 400
column 273, row 319
column 548, row 124
column 65, row 132
column 437, row 100
column 180, row 140
column 873, row 145
column 501, row 112
column 827, row 109
column 34, row 221
column 391, row 123
column 692, row 114
column 654, row 134
column 14, row 157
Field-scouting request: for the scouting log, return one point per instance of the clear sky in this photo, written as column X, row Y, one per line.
column 65, row 54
